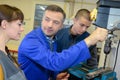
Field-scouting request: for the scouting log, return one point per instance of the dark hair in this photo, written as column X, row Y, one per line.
column 56, row 8
column 10, row 13
column 83, row 13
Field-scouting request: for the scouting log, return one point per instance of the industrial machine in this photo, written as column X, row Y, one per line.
column 83, row 72
column 108, row 17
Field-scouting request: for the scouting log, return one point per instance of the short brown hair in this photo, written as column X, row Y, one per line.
column 83, row 13
column 56, row 8
column 10, row 13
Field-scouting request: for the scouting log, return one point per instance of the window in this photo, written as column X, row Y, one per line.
column 39, row 10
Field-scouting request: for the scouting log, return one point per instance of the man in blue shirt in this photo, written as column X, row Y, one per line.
column 76, row 33
column 37, row 54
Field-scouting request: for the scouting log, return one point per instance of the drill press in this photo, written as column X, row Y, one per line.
column 106, row 18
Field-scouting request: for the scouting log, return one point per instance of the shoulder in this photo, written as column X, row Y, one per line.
column 62, row 32
column 1, row 54
column 35, row 34
column 34, row 31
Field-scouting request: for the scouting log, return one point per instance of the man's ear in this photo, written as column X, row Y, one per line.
column 3, row 24
column 74, row 19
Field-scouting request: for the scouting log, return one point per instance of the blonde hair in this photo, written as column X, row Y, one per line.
column 83, row 13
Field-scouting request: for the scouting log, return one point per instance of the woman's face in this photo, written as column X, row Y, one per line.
column 14, row 29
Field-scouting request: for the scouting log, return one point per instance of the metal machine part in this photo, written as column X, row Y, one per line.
column 108, row 12
column 97, row 73
column 86, row 73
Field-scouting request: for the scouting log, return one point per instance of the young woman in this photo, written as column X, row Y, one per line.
column 11, row 27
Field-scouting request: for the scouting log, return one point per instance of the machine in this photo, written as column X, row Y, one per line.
column 108, row 17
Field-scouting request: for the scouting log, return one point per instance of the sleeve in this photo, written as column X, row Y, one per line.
column 92, row 62
column 37, row 51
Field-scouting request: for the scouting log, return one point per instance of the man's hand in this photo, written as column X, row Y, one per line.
column 98, row 35
column 63, row 76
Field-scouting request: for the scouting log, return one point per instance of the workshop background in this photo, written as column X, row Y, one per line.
column 33, row 10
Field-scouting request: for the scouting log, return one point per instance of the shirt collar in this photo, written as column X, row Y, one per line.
column 51, row 40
